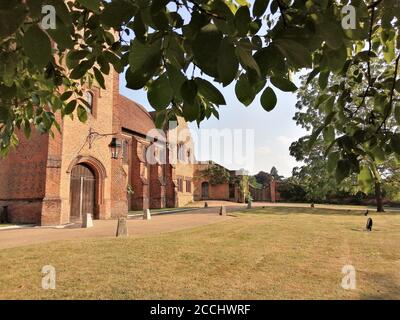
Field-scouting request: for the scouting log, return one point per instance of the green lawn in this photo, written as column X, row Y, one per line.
column 272, row 253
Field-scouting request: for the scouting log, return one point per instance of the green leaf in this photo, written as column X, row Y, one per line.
column 335, row 59
column 297, row 54
column 323, row 79
column 209, row 92
column 136, row 79
column 191, row 111
column 283, row 84
column 176, row 79
column 378, row 154
column 99, row 78
column 365, row 179
column 80, row 70
column 228, row 63
column 189, row 91
column 144, row 56
column 66, row 95
column 397, row 114
column 70, row 107
column 259, row 7
column 117, row 12
column 343, row 170
column 333, row 158
column 395, row 143
column 9, row 23
column 268, row 99
column 82, row 114
column 61, row 35
column 93, row 5
column 329, row 134
column 157, row 5
column 37, row 46
column 247, row 60
column 332, row 33
column 242, row 20
column 205, row 57
column 244, row 90
column 160, row 93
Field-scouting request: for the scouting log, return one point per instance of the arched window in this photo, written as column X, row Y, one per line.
column 89, row 100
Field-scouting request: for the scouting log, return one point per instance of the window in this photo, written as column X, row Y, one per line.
column 188, row 186
column 89, row 100
column 180, row 184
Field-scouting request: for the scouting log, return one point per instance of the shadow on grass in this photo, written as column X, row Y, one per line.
column 385, row 287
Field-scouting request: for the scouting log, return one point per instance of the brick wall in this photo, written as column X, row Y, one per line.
column 22, row 178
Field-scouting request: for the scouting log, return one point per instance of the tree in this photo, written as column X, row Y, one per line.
column 347, row 156
column 254, row 183
column 216, row 174
column 263, row 178
column 258, row 47
column 275, row 175
column 314, row 176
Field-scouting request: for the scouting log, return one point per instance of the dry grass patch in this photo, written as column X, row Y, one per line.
column 271, row 253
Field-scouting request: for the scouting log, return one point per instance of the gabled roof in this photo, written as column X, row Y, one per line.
column 134, row 116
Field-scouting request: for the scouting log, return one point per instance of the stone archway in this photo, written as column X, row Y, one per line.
column 87, row 176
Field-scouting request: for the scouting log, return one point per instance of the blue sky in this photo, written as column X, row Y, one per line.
column 273, row 131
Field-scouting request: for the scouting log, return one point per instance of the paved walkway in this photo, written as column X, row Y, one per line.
column 107, row 228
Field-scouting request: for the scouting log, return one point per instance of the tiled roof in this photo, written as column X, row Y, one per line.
column 133, row 116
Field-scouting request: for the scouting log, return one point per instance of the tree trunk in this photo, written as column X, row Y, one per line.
column 378, row 196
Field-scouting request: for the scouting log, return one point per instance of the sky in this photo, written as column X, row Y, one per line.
column 273, row 132
column 265, row 143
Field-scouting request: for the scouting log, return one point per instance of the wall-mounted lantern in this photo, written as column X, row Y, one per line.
column 115, row 148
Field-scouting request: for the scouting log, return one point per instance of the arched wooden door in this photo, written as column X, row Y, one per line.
column 204, row 190
column 83, row 192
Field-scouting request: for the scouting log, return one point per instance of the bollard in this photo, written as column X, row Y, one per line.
column 122, row 229
column 249, row 204
column 222, row 211
column 146, row 214
column 87, row 221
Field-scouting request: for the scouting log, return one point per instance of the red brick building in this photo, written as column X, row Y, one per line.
column 55, row 180
column 51, row 181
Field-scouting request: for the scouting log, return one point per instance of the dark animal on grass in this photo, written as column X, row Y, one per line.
column 366, row 213
column 369, row 224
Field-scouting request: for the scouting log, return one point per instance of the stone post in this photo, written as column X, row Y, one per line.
column 122, row 229
column 249, row 203
column 222, row 211
column 146, row 214
column 87, row 221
